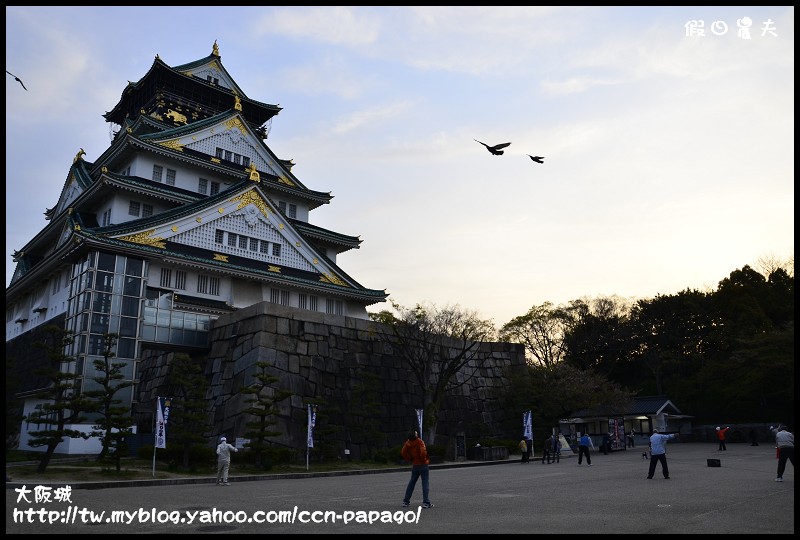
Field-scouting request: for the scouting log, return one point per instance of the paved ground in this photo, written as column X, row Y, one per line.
column 612, row 496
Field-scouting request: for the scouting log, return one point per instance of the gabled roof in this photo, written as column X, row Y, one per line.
column 155, row 236
column 178, row 81
column 641, row 406
column 177, row 142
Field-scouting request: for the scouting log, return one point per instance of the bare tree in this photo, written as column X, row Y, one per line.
column 541, row 331
column 767, row 264
column 436, row 344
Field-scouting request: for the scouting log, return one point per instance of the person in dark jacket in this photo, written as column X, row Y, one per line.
column 414, row 450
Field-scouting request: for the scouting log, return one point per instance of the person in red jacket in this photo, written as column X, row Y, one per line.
column 721, row 433
column 414, row 450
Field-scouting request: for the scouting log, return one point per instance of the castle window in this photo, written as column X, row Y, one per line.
column 292, row 211
column 243, row 242
column 264, row 247
column 276, row 250
column 134, row 209
column 202, row 284
column 208, row 285
column 157, row 171
column 245, row 161
column 231, row 239
column 228, row 155
column 282, row 206
column 253, row 244
column 166, row 277
column 220, row 153
column 214, row 188
column 277, row 296
column 147, row 210
column 334, row 307
column 180, row 280
column 171, row 177
column 306, row 301
column 219, row 236
column 106, row 218
column 212, row 80
column 202, row 186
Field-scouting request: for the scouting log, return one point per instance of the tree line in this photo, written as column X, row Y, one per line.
column 725, row 356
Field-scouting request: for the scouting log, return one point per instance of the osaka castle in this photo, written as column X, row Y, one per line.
column 186, row 216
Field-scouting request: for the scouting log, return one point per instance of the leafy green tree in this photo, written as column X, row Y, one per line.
column 114, row 419
column 188, row 417
column 262, row 406
column 436, row 344
column 64, row 405
column 596, row 335
column 553, row 393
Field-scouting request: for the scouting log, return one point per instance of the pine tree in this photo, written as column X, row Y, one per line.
column 114, row 423
column 188, row 420
column 263, row 407
column 65, row 405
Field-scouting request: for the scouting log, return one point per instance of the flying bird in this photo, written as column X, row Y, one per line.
column 494, row 149
column 16, row 79
column 537, row 159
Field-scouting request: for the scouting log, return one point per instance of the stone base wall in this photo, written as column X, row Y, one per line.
column 366, row 397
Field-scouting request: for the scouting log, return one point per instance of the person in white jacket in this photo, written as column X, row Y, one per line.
column 784, row 440
column 224, row 460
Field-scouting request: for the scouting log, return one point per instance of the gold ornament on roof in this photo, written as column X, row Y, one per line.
column 215, row 49
column 79, row 156
column 145, row 238
column 254, row 176
column 237, row 103
column 331, row 278
column 251, row 197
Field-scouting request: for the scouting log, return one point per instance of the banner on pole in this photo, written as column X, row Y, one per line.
column 419, row 420
column 527, row 425
column 162, row 417
column 312, row 421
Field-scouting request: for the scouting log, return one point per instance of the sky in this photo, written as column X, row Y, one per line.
column 669, row 157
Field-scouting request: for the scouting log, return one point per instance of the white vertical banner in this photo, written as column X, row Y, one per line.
column 312, row 421
column 527, row 425
column 162, row 417
column 419, row 421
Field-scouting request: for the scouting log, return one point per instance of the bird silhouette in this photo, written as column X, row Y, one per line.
column 494, row 149
column 537, row 159
column 16, row 79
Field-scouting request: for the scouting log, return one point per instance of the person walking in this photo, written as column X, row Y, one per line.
column 583, row 449
column 658, row 453
column 224, row 460
column 557, row 449
column 632, row 438
column 414, row 450
column 548, row 449
column 721, row 434
column 529, row 443
column 606, row 443
column 523, row 449
column 784, row 440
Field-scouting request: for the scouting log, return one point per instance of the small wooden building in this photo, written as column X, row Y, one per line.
column 643, row 414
